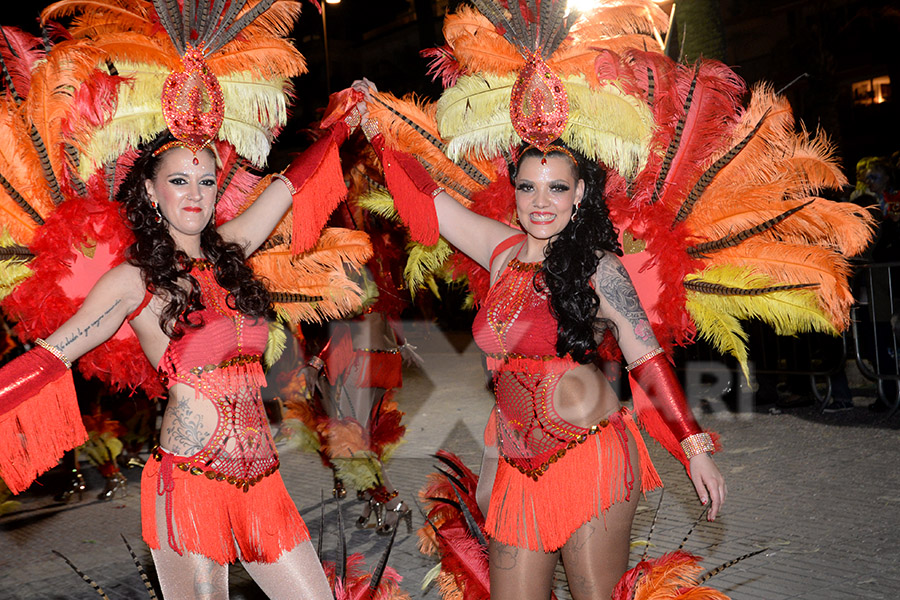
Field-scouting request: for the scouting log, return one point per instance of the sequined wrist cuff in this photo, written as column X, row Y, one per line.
column 636, row 363
column 54, row 351
column 353, row 119
column 370, row 128
column 287, row 182
column 316, row 363
column 697, row 444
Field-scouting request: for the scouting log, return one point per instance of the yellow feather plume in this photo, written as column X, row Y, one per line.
column 790, row 264
column 608, row 126
column 718, row 317
column 473, row 116
column 12, row 272
column 254, row 107
column 379, row 203
column 604, row 123
column 422, row 262
column 275, row 344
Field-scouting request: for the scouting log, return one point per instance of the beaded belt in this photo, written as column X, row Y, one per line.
column 537, row 365
column 580, row 439
column 211, row 474
column 241, row 359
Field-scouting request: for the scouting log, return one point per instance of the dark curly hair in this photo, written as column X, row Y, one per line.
column 571, row 259
column 164, row 267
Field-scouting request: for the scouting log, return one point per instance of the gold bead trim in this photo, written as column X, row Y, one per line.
column 286, row 181
column 243, row 359
column 54, row 351
column 580, row 439
column 636, row 363
column 210, row 474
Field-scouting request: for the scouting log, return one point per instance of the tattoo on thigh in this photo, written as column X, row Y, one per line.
column 504, row 557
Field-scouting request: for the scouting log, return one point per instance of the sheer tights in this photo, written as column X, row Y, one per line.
column 296, row 574
column 595, row 557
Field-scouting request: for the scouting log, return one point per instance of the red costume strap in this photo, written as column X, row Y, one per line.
column 318, row 186
column 505, row 245
column 413, row 191
column 661, row 406
column 39, row 417
column 147, row 298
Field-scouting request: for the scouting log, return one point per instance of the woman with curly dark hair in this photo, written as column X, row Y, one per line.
column 564, row 461
column 211, row 493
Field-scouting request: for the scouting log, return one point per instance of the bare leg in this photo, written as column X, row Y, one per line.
column 520, row 574
column 296, row 574
column 189, row 577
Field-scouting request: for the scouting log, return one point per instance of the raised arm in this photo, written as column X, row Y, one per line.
column 110, row 301
column 474, row 235
column 251, row 228
column 651, row 372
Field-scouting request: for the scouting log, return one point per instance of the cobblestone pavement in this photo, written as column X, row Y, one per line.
column 821, row 493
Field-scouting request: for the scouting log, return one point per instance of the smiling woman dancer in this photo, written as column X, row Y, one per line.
column 572, row 462
column 212, row 493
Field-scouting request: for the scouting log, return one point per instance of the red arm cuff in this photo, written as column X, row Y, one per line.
column 413, row 191
column 661, row 406
column 319, row 186
column 39, row 417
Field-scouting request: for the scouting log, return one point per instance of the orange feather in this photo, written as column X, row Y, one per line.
column 20, row 166
column 400, row 134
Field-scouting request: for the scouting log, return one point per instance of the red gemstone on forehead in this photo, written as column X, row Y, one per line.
column 196, row 160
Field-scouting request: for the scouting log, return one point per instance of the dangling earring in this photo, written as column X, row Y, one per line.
column 159, row 217
column 574, row 211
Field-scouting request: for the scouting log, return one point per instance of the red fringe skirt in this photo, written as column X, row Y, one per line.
column 542, row 515
column 216, row 519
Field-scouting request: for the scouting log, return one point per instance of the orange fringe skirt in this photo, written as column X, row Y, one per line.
column 215, row 519
column 542, row 515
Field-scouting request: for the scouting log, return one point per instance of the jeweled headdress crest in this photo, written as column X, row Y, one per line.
column 539, row 106
column 192, row 100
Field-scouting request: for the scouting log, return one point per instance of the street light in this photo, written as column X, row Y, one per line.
column 325, row 40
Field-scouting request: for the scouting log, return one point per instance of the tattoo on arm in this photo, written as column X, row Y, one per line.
column 615, row 285
column 81, row 332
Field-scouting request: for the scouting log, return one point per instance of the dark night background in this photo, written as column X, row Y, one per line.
column 836, row 43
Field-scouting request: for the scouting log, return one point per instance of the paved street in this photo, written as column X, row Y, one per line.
column 820, row 492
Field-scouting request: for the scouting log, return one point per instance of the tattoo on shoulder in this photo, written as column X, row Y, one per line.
column 83, row 331
column 615, row 285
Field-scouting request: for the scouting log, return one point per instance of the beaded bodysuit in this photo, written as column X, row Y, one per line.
column 221, row 361
column 518, row 332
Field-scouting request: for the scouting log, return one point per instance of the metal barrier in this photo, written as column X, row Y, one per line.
column 874, row 327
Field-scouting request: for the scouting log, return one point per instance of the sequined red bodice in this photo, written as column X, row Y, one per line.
column 221, row 361
column 515, row 317
column 517, row 330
